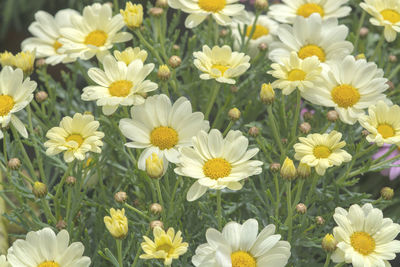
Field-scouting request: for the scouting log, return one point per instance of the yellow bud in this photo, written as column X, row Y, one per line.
column 303, row 170
column 329, row 243
column 25, row 61
column 234, row 114
column 288, row 170
column 130, row 54
column 267, row 93
column 387, row 193
column 117, row 224
column 39, row 189
column 6, row 59
column 361, row 56
column 154, row 166
column 164, row 73
column 156, row 208
column 133, row 15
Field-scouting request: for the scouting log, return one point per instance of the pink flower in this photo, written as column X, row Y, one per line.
column 392, row 172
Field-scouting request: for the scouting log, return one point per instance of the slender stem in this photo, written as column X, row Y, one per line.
column 282, row 110
column 148, row 46
column 49, row 215
column 312, row 189
column 296, row 115
column 300, row 184
column 212, row 99
column 5, row 152
column 68, row 213
column 160, row 199
column 59, row 189
column 357, row 34
column 328, row 259
column 219, row 210
column 394, row 72
column 137, row 211
column 253, row 29
column 231, row 123
column 373, row 167
column 161, row 38
column 378, row 47
column 278, row 195
column 272, row 124
column 289, row 209
column 119, row 251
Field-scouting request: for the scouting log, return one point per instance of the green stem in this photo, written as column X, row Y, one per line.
column 373, row 167
column 289, row 209
column 49, row 215
column 378, row 47
column 275, row 131
column 137, row 211
column 312, row 189
column 219, row 210
column 212, row 99
column 160, row 199
column 56, row 198
column 231, row 123
column 278, row 195
column 357, row 34
column 68, row 213
column 253, row 29
column 328, row 259
column 119, row 251
column 394, row 72
column 148, row 46
column 296, row 115
column 282, row 110
column 162, row 39
column 300, row 184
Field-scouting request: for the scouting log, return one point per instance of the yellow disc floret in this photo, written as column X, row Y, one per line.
column 390, row 15
column 164, row 137
column 96, row 38
column 217, row 168
column 386, row 130
column 6, row 104
column 49, row 264
column 345, row 95
column 296, row 75
column 310, row 8
column 362, row 242
column 259, row 31
column 213, row 6
column 221, row 68
column 120, row 88
column 312, row 50
column 322, row 152
column 243, row 259
column 57, row 45
column 75, row 137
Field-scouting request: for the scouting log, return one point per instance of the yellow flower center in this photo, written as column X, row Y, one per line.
column 96, row 38
column 217, row 168
column 345, row 95
column 167, row 248
column 75, row 137
column 49, row 264
column 390, row 15
column 386, row 130
column 362, row 242
column 242, row 259
column 57, row 45
column 6, row 104
column 307, row 9
column 312, row 50
column 164, row 137
column 120, row 88
column 322, row 152
column 258, row 32
column 221, row 68
column 296, row 75
column 212, row 5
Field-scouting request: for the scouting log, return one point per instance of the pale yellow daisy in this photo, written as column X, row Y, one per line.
column 117, row 223
column 221, row 64
column 382, row 123
column 130, row 54
column 321, row 151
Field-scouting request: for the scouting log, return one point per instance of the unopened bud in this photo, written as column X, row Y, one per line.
column 39, row 189
column 234, row 89
column 288, row 170
column 154, row 166
column 301, row 208
column 261, row 4
column 305, row 127
column 41, row 96
column 234, row 114
column 267, row 93
column 329, row 243
column 174, row 61
column 164, row 73
column 332, row 115
column 120, row 197
column 303, row 170
column 319, row 220
column 284, row 141
column 156, row 208
column 254, row 131
column 14, row 163
column 275, row 167
column 391, row 85
column 156, row 11
column 262, row 46
column 71, row 180
column 308, row 115
column 162, row 3
column 154, row 224
column 361, row 56
column 176, row 47
column 364, row 133
column 392, row 58
column 41, row 62
column 223, row 32
column 61, row 224
column 364, row 31
column 387, row 193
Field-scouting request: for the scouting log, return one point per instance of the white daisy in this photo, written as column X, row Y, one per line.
column 15, row 94
column 385, row 13
column 94, row 33
column 321, row 151
column 217, row 162
column 4, row 262
column 365, row 237
column 119, row 84
column 382, row 123
column 240, row 245
column 44, row 248
column 223, row 11
column 162, row 128
column 221, row 63
column 312, row 37
column 290, row 9
column 46, row 30
column 75, row 137
column 350, row 86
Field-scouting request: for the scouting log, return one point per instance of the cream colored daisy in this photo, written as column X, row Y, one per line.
column 384, row 13
column 217, row 162
column 321, row 151
column 350, row 86
column 290, row 9
column 75, row 137
column 240, row 245
column 223, row 11
column 382, row 123
column 130, row 54
column 119, row 84
column 94, row 33
column 167, row 246
column 15, row 94
column 44, row 248
column 312, row 37
column 221, row 63
column 365, row 237
column 46, row 32
column 265, row 32
column 295, row 73
column 4, row 262
column 162, row 128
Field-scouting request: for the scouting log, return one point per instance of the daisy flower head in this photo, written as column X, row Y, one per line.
column 312, row 36
column 15, row 94
column 382, row 123
column 321, row 151
column 44, row 248
column 167, row 246
column 384, row 13
column 130, row 54
column 241, row 245
column 294, row 72
column 94, row 33
column 4, row 262
column 217, row 162
column 264, row 32
column 290, row 9
column 46, row 32
column 223, row 11
column 364, row 237
column 221, row 64
column 75, row 137
column 119, row 84
column 391, row 172
column 162, row 128
column 117, row 223
column 350, row 86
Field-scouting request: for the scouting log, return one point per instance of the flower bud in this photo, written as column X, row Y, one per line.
column 305, row 127
column 303, row 170
column 174, row 61
column 387, row 193
column 391, row 85
column 154, row 166
column 25, row 61
column 261, row 5
column 288, row 170
column 71, row 180
column 301, row 208
column 61, row 224
column 154, row 224
column 275, row 167
column 176, row 47
column 308, row 115
column 319, row 220
column 332, row 115
column 392, row 58
column 234, row 114
column 39, row 189
column 41, row 62
column 120, row 197
column 6, row 59
column 234, row 89
column 14, row 163
column 156, row 208
column 156, row 11
column 284, row 141
column 117, row 224
column 164, row 73
column 41, row 96
column 162, row 3
column 133, row 15
column 361, row 56
column 262, row 46
column 254, row 131
column 329, row 243
column 364, row 31
column 364, row 133
column 223, row 32
column 267, row 93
